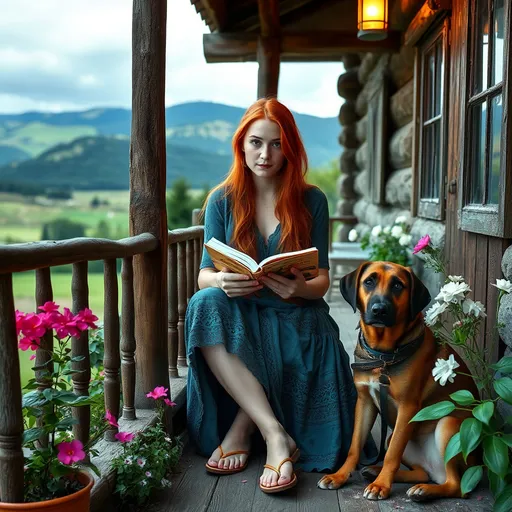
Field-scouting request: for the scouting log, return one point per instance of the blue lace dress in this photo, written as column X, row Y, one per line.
column 294, row 352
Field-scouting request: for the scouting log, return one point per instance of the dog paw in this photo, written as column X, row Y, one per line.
column 418, row 492
column 333, row 481
column 377, row 492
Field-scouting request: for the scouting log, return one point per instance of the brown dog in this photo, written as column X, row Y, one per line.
column 390, row 299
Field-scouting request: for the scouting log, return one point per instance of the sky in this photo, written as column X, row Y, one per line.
column 62, row 55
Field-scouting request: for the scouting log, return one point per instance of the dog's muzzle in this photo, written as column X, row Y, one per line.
column 380, row 312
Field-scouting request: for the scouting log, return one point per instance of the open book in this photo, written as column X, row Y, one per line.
column 224, row 256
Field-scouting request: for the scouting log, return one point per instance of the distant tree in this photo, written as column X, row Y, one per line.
column 325, row 178
column 59, row 193
column 103, row 230
column 179, row 205
column 62, row 229
column 95, row 202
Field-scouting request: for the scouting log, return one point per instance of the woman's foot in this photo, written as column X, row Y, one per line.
column 219, row 460
column 279, row 447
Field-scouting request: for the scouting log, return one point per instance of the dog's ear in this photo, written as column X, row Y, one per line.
column 419, row 297
column 349, row 285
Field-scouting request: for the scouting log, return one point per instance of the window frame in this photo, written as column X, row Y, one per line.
column 491, row 220
column 426, row 208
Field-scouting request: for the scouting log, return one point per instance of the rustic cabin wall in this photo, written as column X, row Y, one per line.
column 477, row 257
column 348, row 88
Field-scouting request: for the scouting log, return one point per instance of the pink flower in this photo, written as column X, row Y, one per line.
column 422, row 243
column 158, row 392
column 124, row 437
column 32, row 357
column 66, row 325
column 111, row 419
column 28, row 343
column 169, row 403
column 49, row 307
column 71, row 452
column 85, row 320
column 30, row 325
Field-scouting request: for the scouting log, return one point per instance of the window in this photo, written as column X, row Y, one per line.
column 486, row 172
column 432, row 132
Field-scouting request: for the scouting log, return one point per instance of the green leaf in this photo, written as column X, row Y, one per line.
column 496, row 483
column 470, row 479
column 452, row 448
column 503, row 387
column 77, row 359
column 470, row 436
column 503, row 502
column 34, row 399
column 434, row 412
column 496, row 455
column 463, row 397
column 66, row 424
column 32, row 434
column 504, row 365
column 507, row 439
column 484, row 411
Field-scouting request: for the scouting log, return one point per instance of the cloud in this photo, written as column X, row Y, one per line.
column 58, row 55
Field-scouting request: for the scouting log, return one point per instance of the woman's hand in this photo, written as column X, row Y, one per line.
column 286, row 288
column 236, row 285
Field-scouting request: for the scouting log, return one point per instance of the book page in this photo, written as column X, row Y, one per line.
column 230, row 257
column 306, row 261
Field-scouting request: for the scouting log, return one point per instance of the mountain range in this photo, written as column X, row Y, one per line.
column 90, row 149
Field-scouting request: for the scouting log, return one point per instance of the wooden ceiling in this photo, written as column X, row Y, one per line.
column 310, row 30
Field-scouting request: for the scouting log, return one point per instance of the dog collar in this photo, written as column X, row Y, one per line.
column 370, row 359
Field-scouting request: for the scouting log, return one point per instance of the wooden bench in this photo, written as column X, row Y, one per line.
column 347, row 255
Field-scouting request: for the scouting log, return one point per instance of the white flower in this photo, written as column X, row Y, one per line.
column 143, row 483
column 377, row 230
column 443, row 370
column 473, row 308
column 402, row 219
column 128, row 460
column 148, row 474
column 352, row 235
column 141, row 462
column 405, row 240
column 456, row 279
column 397, row 231
column 503, row 284
column 453, row 292
column 387, row 229
column 432, row 314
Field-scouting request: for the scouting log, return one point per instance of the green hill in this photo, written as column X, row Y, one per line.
column 102, row 163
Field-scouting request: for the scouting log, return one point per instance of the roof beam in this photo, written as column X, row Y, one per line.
column 321, row 46
column 216, row 12
column 268, row 50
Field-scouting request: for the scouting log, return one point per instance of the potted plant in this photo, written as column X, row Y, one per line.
column 54, row 477
column 455, row 320
column 389, row 243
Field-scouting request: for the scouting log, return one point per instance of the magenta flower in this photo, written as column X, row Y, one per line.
column 111, row 419
column 158, row 392
column 28, row 343
column 49, row 307
column 30, row 325
column 32, row 357
column 85, row 320
column 70, row 452
column 422, row 243
column 124, row 437
column 66, row 325
column 169, row 403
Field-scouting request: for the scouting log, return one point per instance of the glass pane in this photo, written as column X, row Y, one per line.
column 477, row 153
column 430, row 90
column 439, row 76
column 481, row 47
column 493, row 184
column 431, row 168
column 499, row 39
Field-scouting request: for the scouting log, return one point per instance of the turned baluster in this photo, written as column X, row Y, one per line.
column 182, row 302
column 172, row 330
column 197, row 261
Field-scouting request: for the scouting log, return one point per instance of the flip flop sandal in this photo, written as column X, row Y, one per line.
column 222, row 471
column 292, row 483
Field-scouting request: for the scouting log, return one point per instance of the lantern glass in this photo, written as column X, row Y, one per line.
column 372, row 19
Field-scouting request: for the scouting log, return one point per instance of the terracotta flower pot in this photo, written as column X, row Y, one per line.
column 76, row 502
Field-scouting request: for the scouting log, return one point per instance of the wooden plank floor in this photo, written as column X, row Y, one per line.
column 194, row 490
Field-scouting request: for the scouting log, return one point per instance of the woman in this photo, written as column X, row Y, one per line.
column 267, row 354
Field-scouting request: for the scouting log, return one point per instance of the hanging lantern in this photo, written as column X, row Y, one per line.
column 372, row 22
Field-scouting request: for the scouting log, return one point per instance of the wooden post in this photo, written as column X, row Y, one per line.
column 147, row 194
column 269, row 48
column 11, row 419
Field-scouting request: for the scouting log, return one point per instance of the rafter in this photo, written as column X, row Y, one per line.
column 321, row 46
column 216, row 13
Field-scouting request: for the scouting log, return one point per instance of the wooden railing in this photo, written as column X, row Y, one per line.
column 185, row 248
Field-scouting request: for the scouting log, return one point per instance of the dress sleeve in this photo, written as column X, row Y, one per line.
column 320, row 226
column 214, row 225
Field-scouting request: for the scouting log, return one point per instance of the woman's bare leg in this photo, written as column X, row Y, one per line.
column 248, row 393
column 237, row 438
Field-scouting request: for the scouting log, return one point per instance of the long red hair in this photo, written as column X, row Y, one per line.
column 239, row 186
